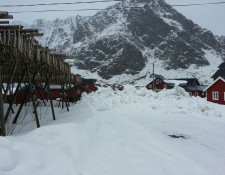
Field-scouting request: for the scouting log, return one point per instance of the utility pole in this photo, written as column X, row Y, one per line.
column 153, row 76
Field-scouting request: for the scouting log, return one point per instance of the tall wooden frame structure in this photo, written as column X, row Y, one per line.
column 23, row 60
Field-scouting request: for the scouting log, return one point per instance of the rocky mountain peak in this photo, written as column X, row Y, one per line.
column 126, row 37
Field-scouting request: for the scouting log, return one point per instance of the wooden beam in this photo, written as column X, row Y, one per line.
column 11, row 27
column 38, row 34
column 4, row 22
column 52, row 50
column 50, row 94
column 3, row 13
column 29, row 31
column 2, row 16
column 34, row 34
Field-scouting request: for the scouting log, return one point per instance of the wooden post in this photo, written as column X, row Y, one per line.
column 10, row 80
column 153, row 82
column 32, row 97
column 2, row 119
column 14, row 97
column 50, row 96
column 66, row 98
column 41, row 93
column 63, row 95
column 20, row 108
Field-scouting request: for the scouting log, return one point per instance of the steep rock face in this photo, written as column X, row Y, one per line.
column 111, row 56
column 112, row 41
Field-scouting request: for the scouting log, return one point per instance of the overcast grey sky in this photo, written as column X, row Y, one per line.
column 211, row 17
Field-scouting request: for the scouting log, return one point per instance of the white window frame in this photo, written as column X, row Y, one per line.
column 215, row 95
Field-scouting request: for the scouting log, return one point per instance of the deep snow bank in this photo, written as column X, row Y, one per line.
column 174, row 101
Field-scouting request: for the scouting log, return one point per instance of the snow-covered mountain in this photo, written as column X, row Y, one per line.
column 121, row 42
column 57, row 33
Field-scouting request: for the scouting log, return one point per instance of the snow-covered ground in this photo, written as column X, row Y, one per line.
column 130, row 132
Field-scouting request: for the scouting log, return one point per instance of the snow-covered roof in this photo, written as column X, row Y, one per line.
column 219, row 78
column 197, row 88
column 176, row 82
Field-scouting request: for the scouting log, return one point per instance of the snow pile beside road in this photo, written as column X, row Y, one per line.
column 175, row 100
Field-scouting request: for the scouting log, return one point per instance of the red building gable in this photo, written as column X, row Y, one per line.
column 159, row 84
column 216, row 91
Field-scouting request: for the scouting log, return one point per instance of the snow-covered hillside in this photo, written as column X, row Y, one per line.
column 128, row 132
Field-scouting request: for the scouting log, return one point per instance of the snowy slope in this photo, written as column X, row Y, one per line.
column 121, row 133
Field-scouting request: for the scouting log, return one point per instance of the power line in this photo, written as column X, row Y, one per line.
column 90, row 2
column 39, row 11
column 209, row 3
column 63, row 3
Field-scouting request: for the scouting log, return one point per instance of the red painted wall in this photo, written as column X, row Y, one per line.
column 76, row 91
column 37, row 92
column 56, row 93
column 218, row 86
column 160, row 85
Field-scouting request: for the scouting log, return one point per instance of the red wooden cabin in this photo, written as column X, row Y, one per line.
column 216, row 91
column 73, row 93
column 86, row 85
column 158, row 84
